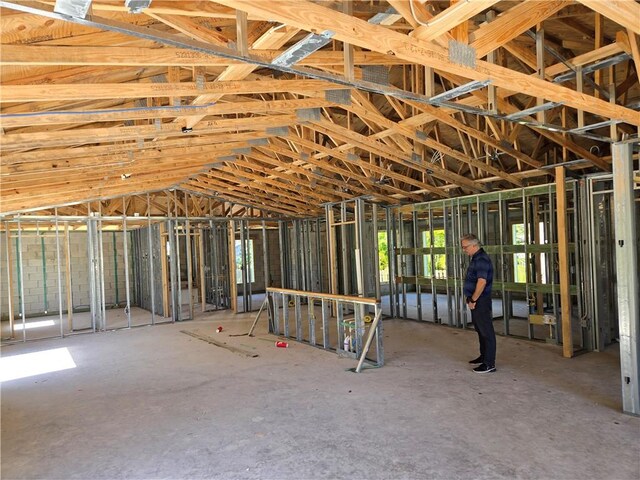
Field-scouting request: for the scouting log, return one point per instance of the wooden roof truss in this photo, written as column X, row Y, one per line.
column 282, row 106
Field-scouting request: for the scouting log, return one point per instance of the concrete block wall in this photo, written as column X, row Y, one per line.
column 113, row 267
column 4, row 294
column 319, row 254
column 40, row 279
column 273, row 252
column 79, row 253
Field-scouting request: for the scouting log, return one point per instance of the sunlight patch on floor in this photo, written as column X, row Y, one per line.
column 36, row 363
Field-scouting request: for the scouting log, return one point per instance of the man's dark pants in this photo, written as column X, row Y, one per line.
column 482, row 319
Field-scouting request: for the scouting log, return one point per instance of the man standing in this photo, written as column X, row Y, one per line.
column 477, row 292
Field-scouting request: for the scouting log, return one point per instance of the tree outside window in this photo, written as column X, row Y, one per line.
column 383, row 256
column 439, row 268
column 519, row 259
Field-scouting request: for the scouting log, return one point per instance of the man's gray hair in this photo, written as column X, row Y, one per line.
column 471, row 239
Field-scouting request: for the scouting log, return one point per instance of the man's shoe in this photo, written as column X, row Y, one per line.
column 484, row 369
column 476, row 361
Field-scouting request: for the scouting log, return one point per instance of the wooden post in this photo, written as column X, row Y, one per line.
column 67, row 276
column 242, row 40
column 537, row 255
column 541, row 115
column 347, row 7
column 189, row 265
column 580, row 88
column 233, row 286
column 164, row 238
column 563, row 254
column 492, row 99
column 203, row 290
column 333, row 258
column 10, row 281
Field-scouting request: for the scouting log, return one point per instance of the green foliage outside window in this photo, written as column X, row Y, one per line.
column 440, row 260
column 383, row 256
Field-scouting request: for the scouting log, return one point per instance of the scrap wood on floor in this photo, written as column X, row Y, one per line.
column 208, row 339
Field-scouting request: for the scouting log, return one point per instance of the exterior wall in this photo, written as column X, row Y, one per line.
column 40, row 279
column 273, row 251
column 273, row 258
column 4, row 294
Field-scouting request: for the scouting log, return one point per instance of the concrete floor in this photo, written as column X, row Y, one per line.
column 152, row 402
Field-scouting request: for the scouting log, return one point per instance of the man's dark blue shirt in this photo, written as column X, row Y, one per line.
column 480, row 267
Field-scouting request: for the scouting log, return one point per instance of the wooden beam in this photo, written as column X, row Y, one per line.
column 433, row 112
column 276, row 183
column 18, row 141
column 118, row 115
column 450, row 18
column 584, row 59
column 344, row 157
column 281, row 165
column 324, row 165
column 309, row 16
column 82, row 55
column 253, row 182
column 563, row 257
column 635, row 49
column 32, row 182
column 275, row 37
column 190, row 28
column 78, row 193
column 433, row 144
column 623, row 12
column 96, row 91
column 232, row 194
column 184, row 144
column 512, row 23
column 288, row 181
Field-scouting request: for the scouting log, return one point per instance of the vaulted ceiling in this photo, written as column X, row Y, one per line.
column 283, row 106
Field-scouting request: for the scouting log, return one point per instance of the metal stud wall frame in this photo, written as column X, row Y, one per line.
column 518, row 230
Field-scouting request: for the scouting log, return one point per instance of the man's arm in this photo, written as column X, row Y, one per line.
column 480, row 284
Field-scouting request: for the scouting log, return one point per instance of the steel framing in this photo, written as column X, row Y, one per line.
column 346, row 339
column 491, row 216
column 627, row 276
column 94, row 224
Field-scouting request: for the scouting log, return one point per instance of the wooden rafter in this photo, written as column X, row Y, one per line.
column 89, row 116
